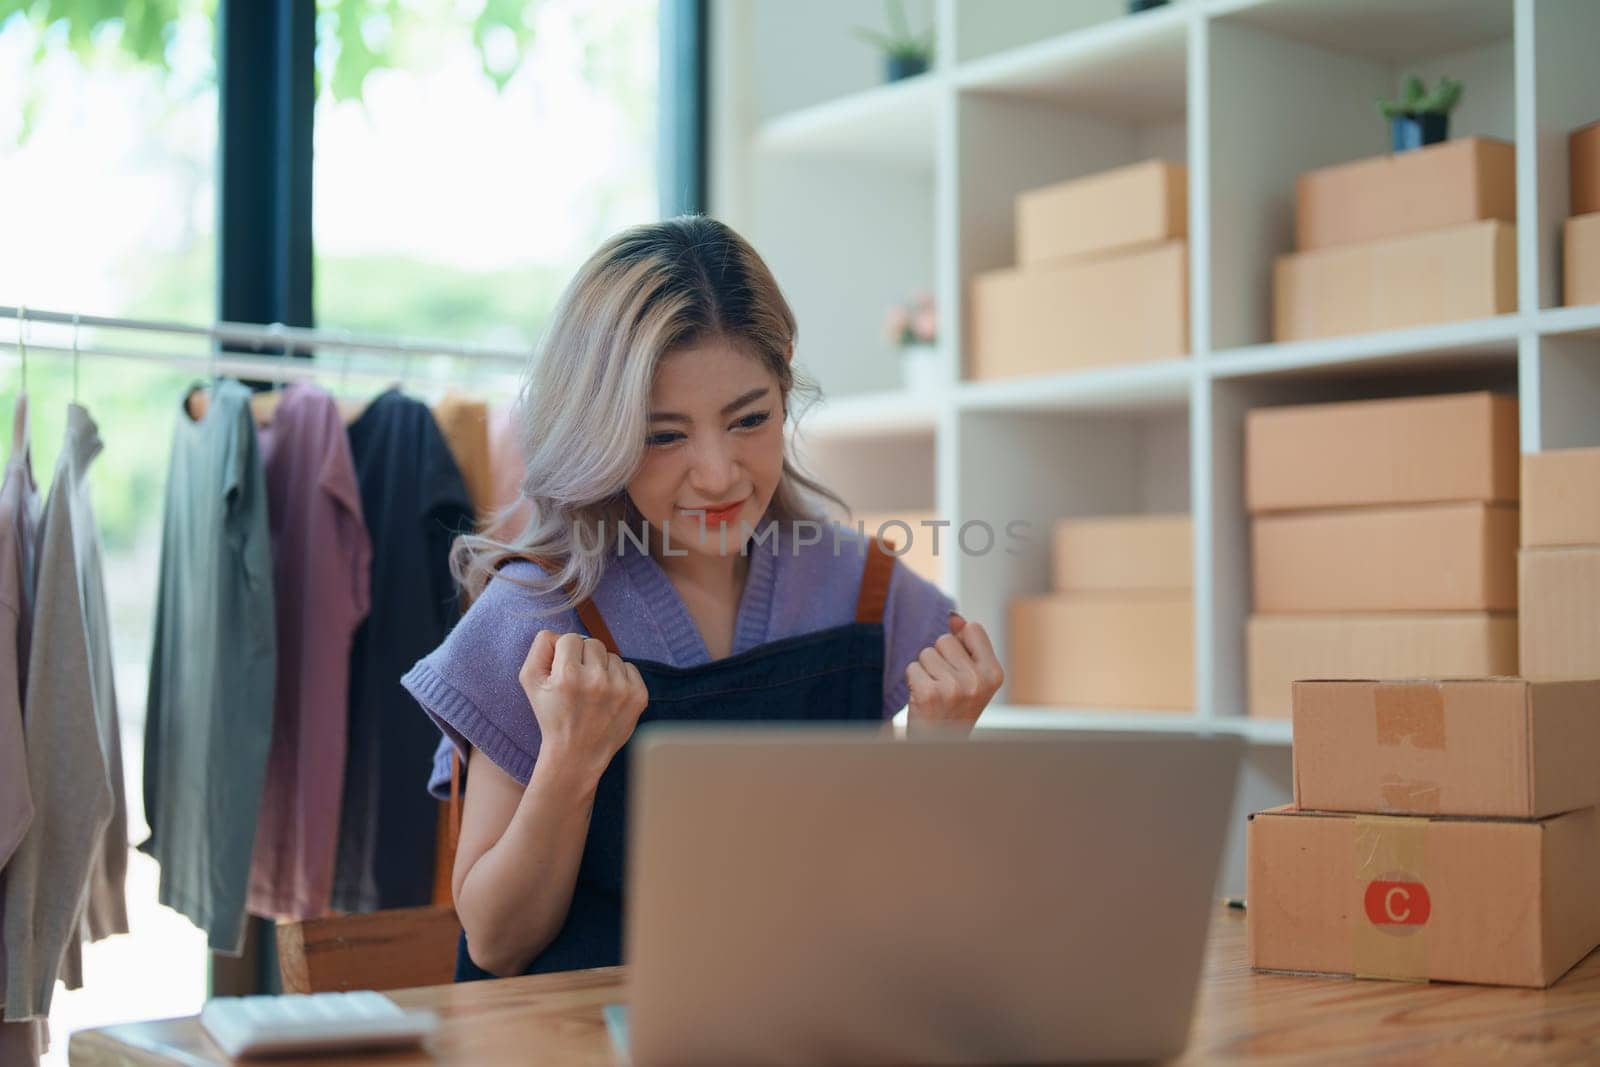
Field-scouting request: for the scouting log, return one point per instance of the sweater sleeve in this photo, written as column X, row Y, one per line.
column 916, row 615
column 469, row 685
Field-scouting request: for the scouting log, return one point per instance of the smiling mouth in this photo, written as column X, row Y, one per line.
column 718, row 511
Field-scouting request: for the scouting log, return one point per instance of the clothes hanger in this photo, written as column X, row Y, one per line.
column 75, row 356
column 21, row 440
column 349, row 410
column 405, row 366
column 22, row 343
column 264, row 404
column 198, row 400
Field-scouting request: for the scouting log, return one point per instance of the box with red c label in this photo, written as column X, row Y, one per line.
column 1492, row 901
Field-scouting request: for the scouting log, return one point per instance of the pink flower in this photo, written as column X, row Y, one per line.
column 894, row 324
column 925, row 324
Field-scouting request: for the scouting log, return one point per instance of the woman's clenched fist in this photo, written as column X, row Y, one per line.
column 586, row 699
column 953, row 680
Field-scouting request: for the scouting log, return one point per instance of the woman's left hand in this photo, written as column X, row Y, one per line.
column 953, row 680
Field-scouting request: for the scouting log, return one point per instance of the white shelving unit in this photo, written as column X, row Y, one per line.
column 859, row 193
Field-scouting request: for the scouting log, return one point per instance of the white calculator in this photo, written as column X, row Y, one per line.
column 316, row 1022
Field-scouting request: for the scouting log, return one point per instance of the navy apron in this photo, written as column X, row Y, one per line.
column 832, row 675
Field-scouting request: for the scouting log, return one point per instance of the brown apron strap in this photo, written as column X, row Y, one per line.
column 874, row 583
column 588, row 614
column 592, row 621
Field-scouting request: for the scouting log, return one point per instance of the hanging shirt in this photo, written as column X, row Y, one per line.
column 464, row 422
column 107, row 910
column 469, row 684
column 47, row 880
column 507, row 467
column 415, row 505
column 208, row 722
column 19, row 522
column 322, row 563
column 19, row 525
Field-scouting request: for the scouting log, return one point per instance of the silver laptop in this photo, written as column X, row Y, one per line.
column 829, row 895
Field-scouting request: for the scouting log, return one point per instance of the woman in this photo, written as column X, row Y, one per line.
column 667, row 572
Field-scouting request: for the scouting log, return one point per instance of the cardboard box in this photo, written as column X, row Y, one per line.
column 1125, row 650
column 919, row 554
column 1560, row 615
column 1446, row 184
column 1124, row 553
column 1455, row 900
column 1461, row 272
column 1432, row 557
column 1115, row 209
column 1561, row 497
column 1121, row 308
column 1583, row 153
column 1412, row 450
column 1286, row 648
column 1497, row 747
column 1580, row 259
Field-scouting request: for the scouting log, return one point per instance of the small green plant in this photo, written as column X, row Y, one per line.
column 1415, row 99
column 899, row 42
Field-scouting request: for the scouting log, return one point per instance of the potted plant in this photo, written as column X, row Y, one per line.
column 905, row 53
column 913, row 328
column 1421, row 117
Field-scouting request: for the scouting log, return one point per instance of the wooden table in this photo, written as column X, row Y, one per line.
column 1241, row 1016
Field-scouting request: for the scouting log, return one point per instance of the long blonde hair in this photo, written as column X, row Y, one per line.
column 581, row 414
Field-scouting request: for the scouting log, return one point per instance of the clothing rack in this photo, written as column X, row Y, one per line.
column 285, row 339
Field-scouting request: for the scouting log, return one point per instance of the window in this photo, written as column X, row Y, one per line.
column 454, row 198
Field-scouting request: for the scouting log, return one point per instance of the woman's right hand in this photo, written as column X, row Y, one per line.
column 586, row 699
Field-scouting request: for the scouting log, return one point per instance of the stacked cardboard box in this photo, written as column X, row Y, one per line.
column 1560, row 564
column 1384, row 540
column 1581, row 247
column 1102, row 276
column 1401, row 240
column 1118, row 630
column 1440, row 830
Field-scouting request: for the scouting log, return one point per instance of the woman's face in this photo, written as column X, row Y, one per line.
column 715, row 445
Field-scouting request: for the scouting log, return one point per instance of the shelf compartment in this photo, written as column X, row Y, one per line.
column 886, row 413
column 1291, row 87
column 1130, row 69
column 1128, row 387
column 1019, row 717
column 1452, row 344
column 889, row 125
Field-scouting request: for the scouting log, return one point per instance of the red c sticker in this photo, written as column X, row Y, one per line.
column 1398, row 903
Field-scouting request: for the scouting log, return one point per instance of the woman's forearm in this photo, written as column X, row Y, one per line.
column 514, row 900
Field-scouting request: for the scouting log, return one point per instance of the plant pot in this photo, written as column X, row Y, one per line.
column 919, row 368
column 1414, row 131
column 1136, row 6
column 897, row 67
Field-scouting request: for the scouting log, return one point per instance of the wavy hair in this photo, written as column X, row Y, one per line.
column 582, row 411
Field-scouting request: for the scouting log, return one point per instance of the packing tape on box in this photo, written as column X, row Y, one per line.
column 1409, row 713
column 1389, row 932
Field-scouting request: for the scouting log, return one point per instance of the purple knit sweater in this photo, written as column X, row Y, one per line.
column 469, row 686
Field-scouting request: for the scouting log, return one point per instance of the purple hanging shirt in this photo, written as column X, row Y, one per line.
column 322, row 562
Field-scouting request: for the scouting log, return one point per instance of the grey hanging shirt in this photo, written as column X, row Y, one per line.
column 47, row 880
column 208, row 722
